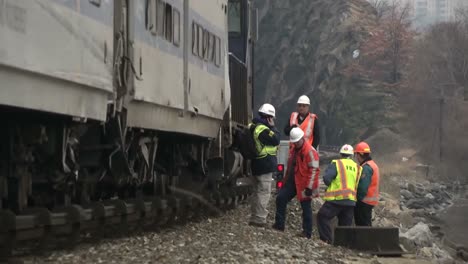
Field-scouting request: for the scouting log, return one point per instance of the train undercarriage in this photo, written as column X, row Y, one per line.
column 63, row 176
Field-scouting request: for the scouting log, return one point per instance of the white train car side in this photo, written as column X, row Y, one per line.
column 57, row 56
column 180, row 50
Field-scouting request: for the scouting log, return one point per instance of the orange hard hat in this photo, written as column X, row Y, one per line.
column 362, row 147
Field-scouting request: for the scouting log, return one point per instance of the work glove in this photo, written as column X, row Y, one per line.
column 308, row 192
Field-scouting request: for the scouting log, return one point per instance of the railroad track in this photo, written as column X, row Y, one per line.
column 67, row 224
column 329, row 148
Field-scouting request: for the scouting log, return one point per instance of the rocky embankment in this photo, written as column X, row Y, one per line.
column 420, row 217
column 429, row 197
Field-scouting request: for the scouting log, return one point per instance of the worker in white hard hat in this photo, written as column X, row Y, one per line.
column 341, row 178
column 267, row 139
column 305, row 120
column 301, row 180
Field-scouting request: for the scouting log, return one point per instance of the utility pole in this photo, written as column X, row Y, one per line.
column 441, row 129
column 441, row 102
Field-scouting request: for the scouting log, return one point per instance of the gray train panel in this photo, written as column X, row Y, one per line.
column 180, row 90
column 56, row 56
column 209, row 92
column 161, row 56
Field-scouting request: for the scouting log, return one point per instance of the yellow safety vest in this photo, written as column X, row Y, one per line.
column 344, row 186
column 263, row 150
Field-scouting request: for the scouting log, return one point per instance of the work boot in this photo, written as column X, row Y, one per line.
column 303, row 234
column 275, row 227
column 257, row 224
column 322, row 242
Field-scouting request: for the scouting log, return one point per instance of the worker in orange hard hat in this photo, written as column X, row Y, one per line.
column 368, row 187
column 306, row 121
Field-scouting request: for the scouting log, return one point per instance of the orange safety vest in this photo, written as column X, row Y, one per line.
column 307, row 126
column 372, row 197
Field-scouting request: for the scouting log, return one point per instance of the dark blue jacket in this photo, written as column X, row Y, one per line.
column 330, row 175
column 269, row 163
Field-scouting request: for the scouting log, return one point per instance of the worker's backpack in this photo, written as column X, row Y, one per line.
column 246, row 142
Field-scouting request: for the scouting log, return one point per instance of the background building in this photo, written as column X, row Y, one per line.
column 427, row 12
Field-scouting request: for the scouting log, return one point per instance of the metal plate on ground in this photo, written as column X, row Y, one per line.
column 380, row 241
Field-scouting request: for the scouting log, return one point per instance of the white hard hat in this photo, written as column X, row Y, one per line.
column 303, row 99
column 295, row 135
column 347, row 150
column 267, row 109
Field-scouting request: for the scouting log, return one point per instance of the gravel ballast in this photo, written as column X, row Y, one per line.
column 225, row 239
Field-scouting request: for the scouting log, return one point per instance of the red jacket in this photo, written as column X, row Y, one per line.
column 306, row 171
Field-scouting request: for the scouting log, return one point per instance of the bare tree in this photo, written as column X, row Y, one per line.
column 385, row 53
column 380, row 6
column 434, row 97
column 398, row 27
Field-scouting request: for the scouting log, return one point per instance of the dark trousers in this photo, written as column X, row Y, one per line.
column 285, row 195
column 363, row 214
column 327, row 212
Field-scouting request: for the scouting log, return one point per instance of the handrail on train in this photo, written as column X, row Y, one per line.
column 231, row 55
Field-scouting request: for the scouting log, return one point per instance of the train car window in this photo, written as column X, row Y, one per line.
column 160, row 12
column 200, row 41
column 218, row 52
column 206, row 42
column 168, row 22
column 151, row 16
column 235, row 17
column 194, row 39
column 211, row 48
column 176, row 23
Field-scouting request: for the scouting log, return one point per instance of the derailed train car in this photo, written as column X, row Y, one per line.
column 122, row 100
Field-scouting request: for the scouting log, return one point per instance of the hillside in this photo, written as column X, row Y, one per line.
column 304, row 45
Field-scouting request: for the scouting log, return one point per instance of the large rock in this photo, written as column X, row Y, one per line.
column 418, row 203
column 446, row 196
column 411, row 187
column 429, row 196
column 420, row 235
column 436, row 253
column 384, row 222
column 407, row 244
column 406, row 219
column 425, row 252
column 463, row 254
column 406, row 194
